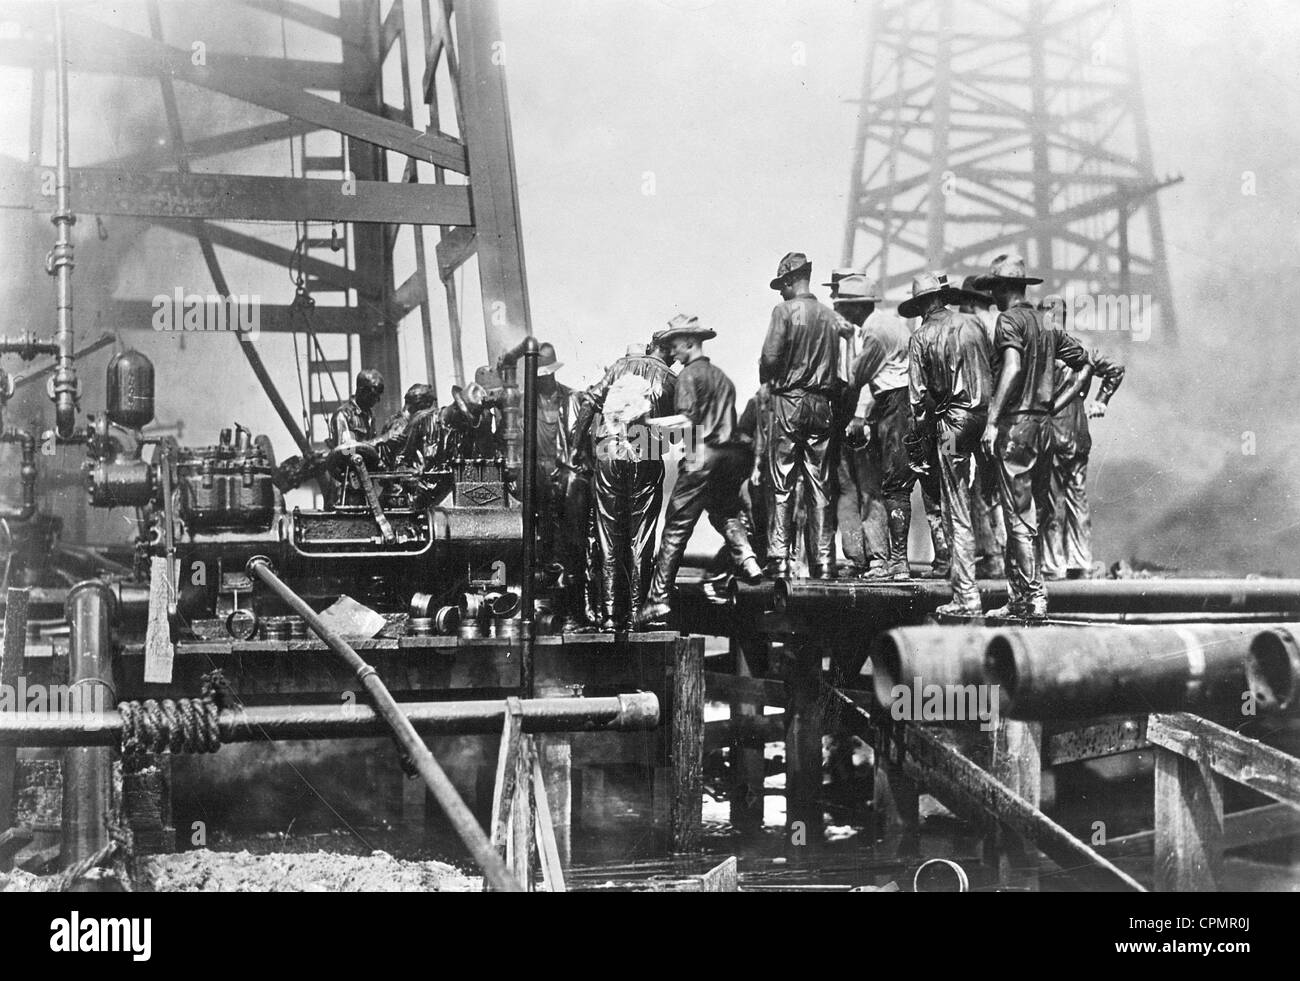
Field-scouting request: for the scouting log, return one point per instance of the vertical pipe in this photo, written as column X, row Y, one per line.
column 88, row 772
column 60, row 262
column 529, row 504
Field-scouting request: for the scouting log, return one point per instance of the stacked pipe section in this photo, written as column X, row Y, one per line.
column 1073, row 672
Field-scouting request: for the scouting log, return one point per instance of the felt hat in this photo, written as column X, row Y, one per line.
column 547, row 363
column 684, row 326
column 928, row 285
column 791, row 262
column 856, row 288
column 1006, row 268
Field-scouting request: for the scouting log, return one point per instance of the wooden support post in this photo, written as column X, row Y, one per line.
column 504, row 791
column 11, row 666
column 555, row 754
column 745, row 792
column 520, row 851
column 1017, row 763
column 1189, row 824
column 803, row 743
column 686, row 808
column 896, row 798
column 548, row 852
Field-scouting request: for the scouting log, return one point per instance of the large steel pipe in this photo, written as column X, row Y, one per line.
column 87, row 772
column 444, row 792
column 1068, row 672
column 1273, row 667
column 828, row 599
column 915, row 657
column 618, row 713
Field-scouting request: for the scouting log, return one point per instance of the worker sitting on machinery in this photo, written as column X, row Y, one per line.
column 392, row 438
column 353, row 449
column 469, row 427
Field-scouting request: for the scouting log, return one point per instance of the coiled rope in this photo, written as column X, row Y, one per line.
column 182, row 725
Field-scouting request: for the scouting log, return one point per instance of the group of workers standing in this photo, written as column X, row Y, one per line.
column 985, row 404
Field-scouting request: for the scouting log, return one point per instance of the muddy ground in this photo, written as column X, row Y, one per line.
column 208, row 871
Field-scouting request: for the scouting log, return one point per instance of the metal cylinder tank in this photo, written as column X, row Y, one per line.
column 130, row 390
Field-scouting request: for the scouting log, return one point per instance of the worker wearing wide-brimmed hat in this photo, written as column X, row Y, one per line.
column 948, row 374
column 874, row 362
column 1018, row 431
column 627, row 486
column 1065, row 524
column 800, row 366
column 711, row 472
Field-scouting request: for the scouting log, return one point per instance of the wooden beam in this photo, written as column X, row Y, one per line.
column 758, row 691
column 157, row 157
column 1253, row 826
column 1189, row 824
column 232, row 197
column 454, row 250
column 1229, row 754
column 300, row 13
column 687, row 746
column 502, row 277
column 1097, row 739
column 967, row 789
column 93, row 44
column 259, row 248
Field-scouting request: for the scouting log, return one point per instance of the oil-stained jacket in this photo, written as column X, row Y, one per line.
column 350, row 424
column 661, row 386
column 1021, row 328
column 948, row 366
column 1070, row 433
column 802, row 348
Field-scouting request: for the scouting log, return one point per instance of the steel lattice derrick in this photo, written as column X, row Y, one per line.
column 985, row 127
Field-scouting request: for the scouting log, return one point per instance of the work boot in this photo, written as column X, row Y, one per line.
column 900, row 521
column 959, row 608
column 750, row 572
column 653, row 615
column 942, row 563
column 1012, row 611
column 777, row 569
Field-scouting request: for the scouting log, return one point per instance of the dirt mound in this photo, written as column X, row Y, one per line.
column 207, row 871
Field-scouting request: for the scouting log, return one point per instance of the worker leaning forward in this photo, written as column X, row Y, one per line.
column 711, row 472
column 800, row 366
column 861, row 511
column 1018, row 432
column 880, row 374
column 1065, row 527
column 628, row 481
column 948, row 372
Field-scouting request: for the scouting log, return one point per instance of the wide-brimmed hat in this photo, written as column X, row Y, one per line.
column 547, row 364
column 968, row 284
column 488, row 378
column 1006, row 268
column 684, row 326
column 840, row 273
column 791, row 262
column 928, row 285
column 855, row 287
